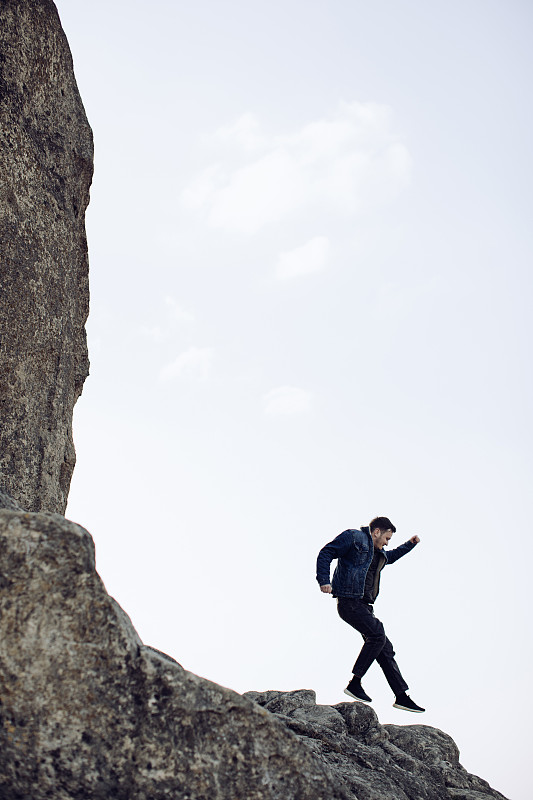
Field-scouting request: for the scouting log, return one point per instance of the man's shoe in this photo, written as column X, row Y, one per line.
column 355, row 690
column 404, row 702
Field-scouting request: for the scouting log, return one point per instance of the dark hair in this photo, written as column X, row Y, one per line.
column 383, row 523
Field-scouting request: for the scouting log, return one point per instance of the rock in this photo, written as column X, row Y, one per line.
column 376, row 762
column 46, row 157
column 362, row 722
column 424, row 743
column 7, row 502
column 300, row 705
column 87, row 711
column 322, row 717
column 287, row 702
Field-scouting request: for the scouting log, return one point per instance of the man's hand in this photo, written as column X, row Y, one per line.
column 327, row 588
column 414, row 539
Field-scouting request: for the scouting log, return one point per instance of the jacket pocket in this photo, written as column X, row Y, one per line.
column 362, row 555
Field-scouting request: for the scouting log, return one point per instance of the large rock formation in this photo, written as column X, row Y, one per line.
column 89, row 713
column 46, row 168
column 376, row 762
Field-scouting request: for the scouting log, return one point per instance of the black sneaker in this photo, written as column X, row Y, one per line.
column 404, row 702
column 355, row 690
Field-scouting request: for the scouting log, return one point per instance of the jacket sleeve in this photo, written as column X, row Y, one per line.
column 335, row 549
column 398, row 552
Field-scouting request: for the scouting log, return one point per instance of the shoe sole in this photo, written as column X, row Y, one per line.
column 404, row 708
column 359, row 699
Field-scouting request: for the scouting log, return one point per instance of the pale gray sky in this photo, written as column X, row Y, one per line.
column 310, row 250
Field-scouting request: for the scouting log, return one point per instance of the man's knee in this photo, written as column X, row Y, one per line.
column 379, row 640
column 377, row 635
column 387, row 649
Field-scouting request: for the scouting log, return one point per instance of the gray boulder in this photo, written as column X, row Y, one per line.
column 87, row 711
column 46, row 156
column 376, row 762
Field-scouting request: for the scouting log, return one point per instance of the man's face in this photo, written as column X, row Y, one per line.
column 381, row 538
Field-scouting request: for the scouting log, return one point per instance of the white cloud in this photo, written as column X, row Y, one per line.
column 258, row 193
column 304, row 260
column 287, row 401
column 342, row 164
column 194, row 363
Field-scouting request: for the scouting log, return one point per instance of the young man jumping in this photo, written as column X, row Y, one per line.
column 355, row 584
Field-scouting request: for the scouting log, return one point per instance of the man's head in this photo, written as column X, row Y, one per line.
column 381, row 530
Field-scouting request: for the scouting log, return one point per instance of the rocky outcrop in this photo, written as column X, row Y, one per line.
column 376, row 762
column 88, row 712
column 45, row 168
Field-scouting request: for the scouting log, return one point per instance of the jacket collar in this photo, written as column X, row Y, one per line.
column 366, row 529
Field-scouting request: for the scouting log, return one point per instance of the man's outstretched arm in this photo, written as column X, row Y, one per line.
column 398, row 552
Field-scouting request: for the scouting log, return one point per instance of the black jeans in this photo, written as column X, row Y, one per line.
column 376, row 647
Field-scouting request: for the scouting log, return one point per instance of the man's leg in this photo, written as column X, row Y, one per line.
column 394, row 677
column 390, row 669
column 361, row 617
column 376, row 648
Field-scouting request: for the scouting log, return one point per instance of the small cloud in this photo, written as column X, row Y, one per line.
column 286, row 401
column 194, row 364
column 342, row 164
column 256, row 194
column 304, row 260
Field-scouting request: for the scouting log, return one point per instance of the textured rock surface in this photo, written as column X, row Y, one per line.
column 45, row 174
column 7, row 502
column 376, row 762
column 86, row 711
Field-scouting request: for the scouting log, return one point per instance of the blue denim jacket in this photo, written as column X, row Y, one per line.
column 354, row 550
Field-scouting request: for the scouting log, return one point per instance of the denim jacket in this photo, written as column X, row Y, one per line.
column 354, row 550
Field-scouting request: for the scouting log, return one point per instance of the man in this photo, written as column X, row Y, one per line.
column 355, row 584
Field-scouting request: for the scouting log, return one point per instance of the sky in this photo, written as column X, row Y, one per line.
column 310, row 244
